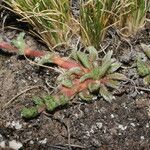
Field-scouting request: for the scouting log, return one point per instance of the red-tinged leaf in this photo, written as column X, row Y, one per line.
column 34, row 53
column 67, row 91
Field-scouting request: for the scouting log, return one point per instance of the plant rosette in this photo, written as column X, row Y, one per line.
column 84, row 74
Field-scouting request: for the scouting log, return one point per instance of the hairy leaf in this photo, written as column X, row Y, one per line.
column 20, row 43
column 38, row 101
column 67, row 83
column 46, row 59
column 50, row 103
column 114, row 66
column 93, row 54
column 107, row 57
column 113, row 84
column 105, row 93
column 147, row 80
column 83, row 58
column 142, row 68
column 116, row 76
column 85, row 95
column 94, row 86
column 75, row 70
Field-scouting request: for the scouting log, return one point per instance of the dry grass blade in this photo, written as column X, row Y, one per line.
column 51, row 19
column 133, row 16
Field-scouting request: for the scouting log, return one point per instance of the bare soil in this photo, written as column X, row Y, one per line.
column 122, row 125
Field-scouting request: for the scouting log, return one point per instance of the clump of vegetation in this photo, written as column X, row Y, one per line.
column 144, row 67
column 50, row 19
column 84, row 74
column 55, row 24
column 94, row 18
column 132, row 15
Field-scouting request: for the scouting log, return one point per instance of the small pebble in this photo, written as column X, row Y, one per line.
column 44, row 141
column 132, row 124
column 142, row 137
column 99, row 125
column 112, row 116
column 2, row 144
column 120, row 126
column 15, row 145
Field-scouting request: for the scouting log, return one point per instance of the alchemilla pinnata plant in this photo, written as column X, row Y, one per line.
column 85, row 75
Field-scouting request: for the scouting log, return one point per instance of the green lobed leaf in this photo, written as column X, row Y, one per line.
column 50, row 103
column 46, row 59
column 63, row 100
column 38, row 101
column 85, row 77
column 102, row 70
column 94, row 86
column 146, row 80
column 105, row 93
column 107, row 57
column 83, row 58
column 29, row 112
column 114, row 66
column 20, row 43
column 85, row 95
column 93, row 54
column 75, row 70
column 67, row 83
column 74, row 55
column 113, row 84
column 97, row 72
column 142, row 68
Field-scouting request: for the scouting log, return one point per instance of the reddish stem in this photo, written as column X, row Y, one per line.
column 34, row 53
column 76, row 88
column 66, row 63
column 62, row 62
column 7, row 46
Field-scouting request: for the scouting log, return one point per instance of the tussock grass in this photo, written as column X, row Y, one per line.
column 51, row 19
column 55, row 25
column 132, row 15
column 95, row 18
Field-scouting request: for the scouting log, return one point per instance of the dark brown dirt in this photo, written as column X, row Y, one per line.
column 122, row 125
